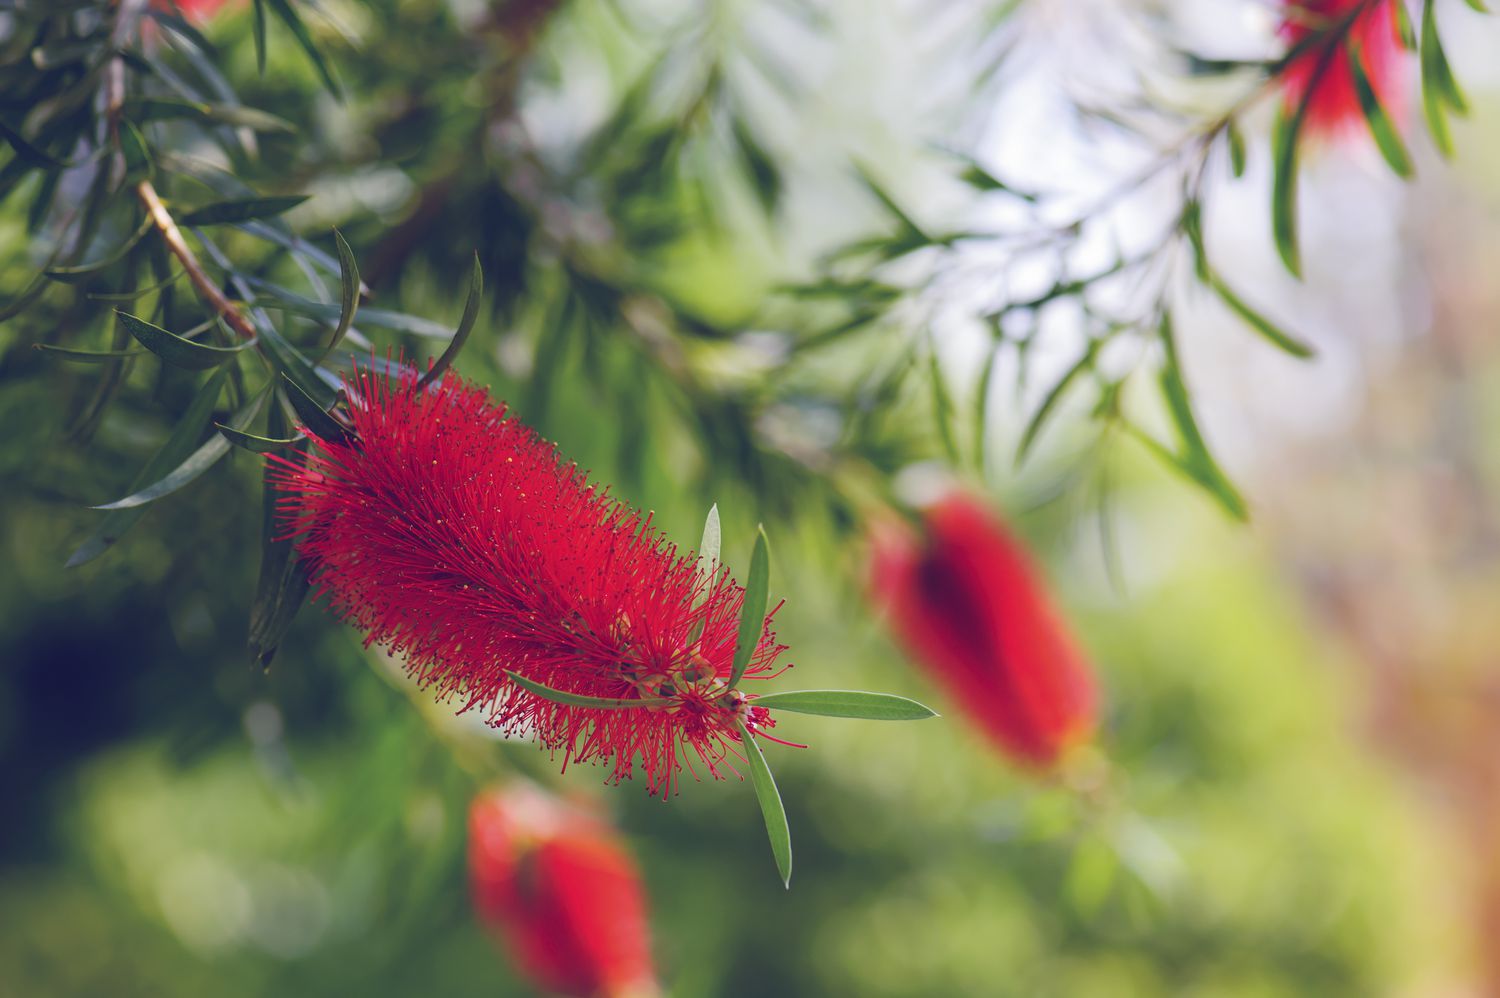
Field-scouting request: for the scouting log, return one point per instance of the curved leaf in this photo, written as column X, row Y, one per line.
column 771, row 808
column 847, row 703
column 753, row 619
column 176, row 350
column 465, row 325
column 578, row 699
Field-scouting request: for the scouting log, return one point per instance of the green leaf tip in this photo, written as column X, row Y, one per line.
column 847, row 703
column 771, row 808
column 753, row 618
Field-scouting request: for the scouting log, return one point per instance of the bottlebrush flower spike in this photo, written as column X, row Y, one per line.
column 967, row 605
column 559, row 889
column 1320, row 74
column 459, row 540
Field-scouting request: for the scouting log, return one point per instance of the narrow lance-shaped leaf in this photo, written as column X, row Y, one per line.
column 1439, row 87
column 579, row 699
column 1236, row 141
column 174, row 451
column 86, row 270
column 314, row 416
column 1258, row 322
column 846, row 703
column 1196, row 461
column 1387, row 138
column 771, row 807
column 753, row 619
column 241, row 210
column 348, row 292
column 176, row 350
column 942, row 405
column 79, row 356
column 205, row 457
column 465, row 326
column 1054, row 395
column 713, row 538
column 1284, row 187
column 289, row 16
column 282, row 585
column 260, row 37
column 254, row 442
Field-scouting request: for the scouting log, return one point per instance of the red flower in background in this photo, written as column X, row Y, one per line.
column 458, row 539
column 557, row 886
column 200, row 10
column 967, row 605
column 1320, row 74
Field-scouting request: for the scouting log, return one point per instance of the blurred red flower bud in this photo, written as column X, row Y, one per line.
column 969, row 608
column 200, row 10
column 1321, row 35
column 555, row 884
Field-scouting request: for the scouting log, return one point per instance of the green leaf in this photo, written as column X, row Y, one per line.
column 1381, row 125
column 1236, row 140
column 282, row 585
column 1192, row 227
column 753, row 619
column 1258, row 322
column 254, row 443
column 846, row 703
column 287, row 301
column 260, row 36
column 176, row 350
column 205, row 457
column 349, row 285
column 85, row 356
column 771, row 807
column 1284, row 188
column 289, row 16
column 178, row 446
column 1405, row 28
column 27, row 152
column 465, row 326
column 1195, row 461
column 1478, row 5
column 1049, row 403
column 1439, row 87
column 241, row 210
column 578, row 699
column 713, row 538
column 236, row 115
column 942, row 405
column 314, row 417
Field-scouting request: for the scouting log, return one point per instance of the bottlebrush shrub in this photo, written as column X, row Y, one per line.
column 455, row 537
column 1321, row 73
column 965, row 601
column 559, row 889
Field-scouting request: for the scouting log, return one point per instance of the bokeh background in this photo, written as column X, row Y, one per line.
column 1298, row 772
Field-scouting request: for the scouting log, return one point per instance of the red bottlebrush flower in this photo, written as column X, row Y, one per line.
column 455, row 537
column 1319, row 73
column 559, row 889
column 967, row 605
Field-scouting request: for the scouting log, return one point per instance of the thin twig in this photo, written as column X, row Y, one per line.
column 177, row 245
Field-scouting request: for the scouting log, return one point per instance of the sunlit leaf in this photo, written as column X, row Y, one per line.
column 753, row 618
column 847, row 703
column 771, row 807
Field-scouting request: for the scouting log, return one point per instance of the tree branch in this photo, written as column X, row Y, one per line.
column 177, row 245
